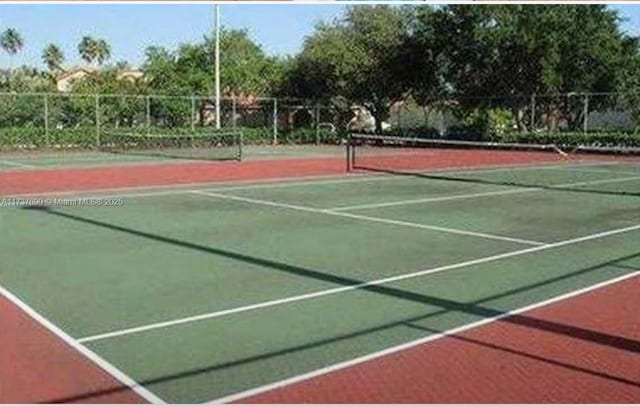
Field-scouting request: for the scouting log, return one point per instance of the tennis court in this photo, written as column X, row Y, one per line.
column 240, row 288
column 57, row 159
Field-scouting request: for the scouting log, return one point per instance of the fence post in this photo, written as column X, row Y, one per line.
column 275, row 121
column 193, row 113
column 400, row 124
column 317, row 117
column 532, row 125
column 148, row 112
column 46, row 120
column 585, row 123
column 97, row 106
column 234, row 113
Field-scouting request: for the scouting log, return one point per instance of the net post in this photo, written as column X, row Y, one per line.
column 46, row 120
column 97, row 107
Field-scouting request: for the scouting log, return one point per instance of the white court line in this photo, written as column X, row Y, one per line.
column 333, row 291
column 481, row 194
column 185, row 188
column 76, row 345
column 430, row 338
column 429, row 199
column 16, row 164
column 367, row 218
column 611, row 172
column 282, row 182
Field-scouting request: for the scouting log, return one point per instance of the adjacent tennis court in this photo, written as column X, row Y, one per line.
column 177, row 154
column 221, row 291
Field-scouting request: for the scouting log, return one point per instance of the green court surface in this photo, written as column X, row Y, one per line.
column 389, row 259
column 44, row 159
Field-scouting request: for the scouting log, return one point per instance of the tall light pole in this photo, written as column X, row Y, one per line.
column 217, row 64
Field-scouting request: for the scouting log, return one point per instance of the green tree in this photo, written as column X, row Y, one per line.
column 160, row 70
column 11, row 41
column 629, row 79
column 94, row 50
column 27, row 80
column 102, row 51
column 53, row 57
column 244, row 67
column 356, row 60
column 515, row 50
column 87, row 49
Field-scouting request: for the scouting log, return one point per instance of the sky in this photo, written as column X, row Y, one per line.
column 129, row 28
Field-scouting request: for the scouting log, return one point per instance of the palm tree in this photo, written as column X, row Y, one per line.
column 87, row 49
column 91, row 49
column 102, row 51
column 11, row 41
column 53, row 57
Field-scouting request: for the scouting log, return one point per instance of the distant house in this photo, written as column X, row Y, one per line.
column 64, row 82
column 66, row 79
column 131, row 75
column 245, row 105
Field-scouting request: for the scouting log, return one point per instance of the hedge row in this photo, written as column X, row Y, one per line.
column 86, row 137
column 30, row 138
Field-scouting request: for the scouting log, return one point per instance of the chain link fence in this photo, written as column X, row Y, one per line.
column 600, row 119
column 85, row 121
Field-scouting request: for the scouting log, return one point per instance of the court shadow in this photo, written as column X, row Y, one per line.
column 448, row 177
column 524, row 354
column 475, row 308
column 631, row 267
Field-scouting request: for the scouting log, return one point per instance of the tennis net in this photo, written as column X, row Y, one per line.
column 210, row 145
column 610, row 170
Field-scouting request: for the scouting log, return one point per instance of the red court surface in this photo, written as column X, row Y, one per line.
column 582, row 350
column 36, row 366
column 92, row 178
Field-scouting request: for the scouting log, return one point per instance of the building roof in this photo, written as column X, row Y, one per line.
column 75, row 70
